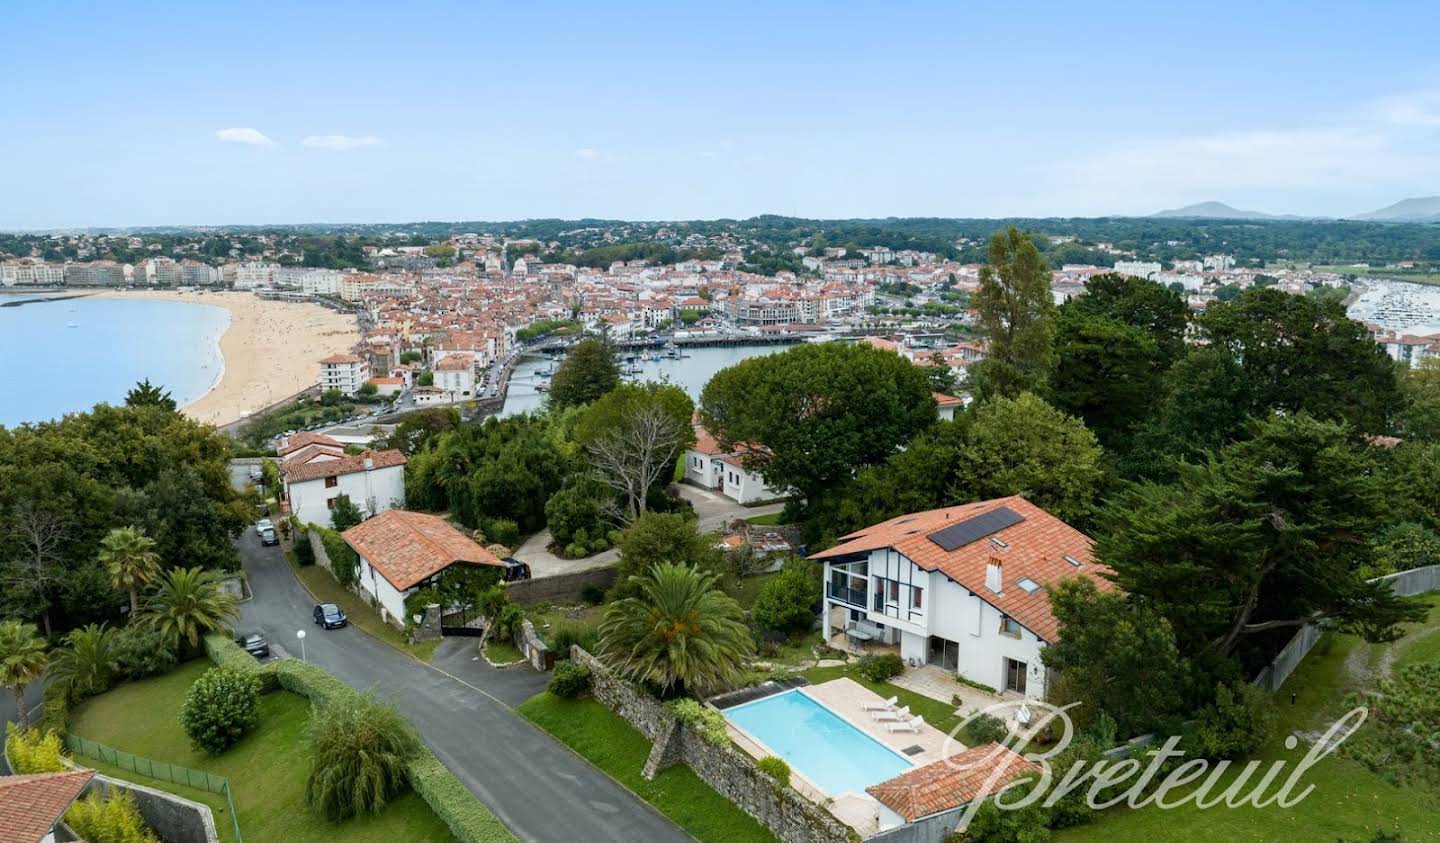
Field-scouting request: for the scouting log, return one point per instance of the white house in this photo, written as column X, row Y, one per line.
column 962, row 588
column 315, row 476
column 711, row 467
column 401, row 552
column 424, row 396
column 455, row 375
column 345, row 372
column 946, row 405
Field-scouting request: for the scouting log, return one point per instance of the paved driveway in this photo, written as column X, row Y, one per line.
column 461, row 705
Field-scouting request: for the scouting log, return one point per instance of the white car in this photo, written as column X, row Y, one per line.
column 262, row 526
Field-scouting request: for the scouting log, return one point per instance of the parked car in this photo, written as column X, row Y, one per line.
column 255, row 644
column 262, row 525
column 268, row 537
column 515, row 570
column 329, row 616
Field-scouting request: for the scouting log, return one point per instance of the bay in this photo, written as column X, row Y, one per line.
column 51, row 368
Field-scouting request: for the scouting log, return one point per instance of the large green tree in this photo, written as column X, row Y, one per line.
column 187, row 603
column 809, row 418
column 662, row 538
column 1270, row 534
column 130, row 559
column 632, row 437
column 680, row 633
column 1015, row 312
column 588, row 371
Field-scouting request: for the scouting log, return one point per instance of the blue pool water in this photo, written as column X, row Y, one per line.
column 817, row 744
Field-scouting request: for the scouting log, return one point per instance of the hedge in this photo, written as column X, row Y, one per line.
column 344, row 563
column 311, row 682
column 468, row 819
column 224, row 652
column 55, row 715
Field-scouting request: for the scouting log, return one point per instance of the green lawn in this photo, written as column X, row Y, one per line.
column 322, row 585
column 267, row 769
column 1348, row 801
column 770, row 520
column 502, row 652
column 547, row 617
column 609, row 743
column 747, row 589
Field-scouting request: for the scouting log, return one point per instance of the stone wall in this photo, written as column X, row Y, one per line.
column 321, row 557
column 176, row 820
column 561, row 587
column 529, row 643
column 733, row 774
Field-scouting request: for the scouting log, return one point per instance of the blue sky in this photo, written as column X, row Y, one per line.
column 209, row 113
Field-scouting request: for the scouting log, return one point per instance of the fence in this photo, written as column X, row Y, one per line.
column 1405, row 584
column 159, row 770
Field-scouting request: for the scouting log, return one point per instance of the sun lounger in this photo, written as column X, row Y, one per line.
column 906, row 726
column 884, row 705
column 895, row 714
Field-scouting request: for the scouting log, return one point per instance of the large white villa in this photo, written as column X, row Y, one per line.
column 962, row 588
column 316, row 470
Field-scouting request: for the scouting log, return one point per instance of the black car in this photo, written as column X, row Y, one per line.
column 268, row 537
column 515, row 570
column 329, row 616
column 255, row 644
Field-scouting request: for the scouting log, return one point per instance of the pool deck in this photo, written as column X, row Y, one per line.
column 847, row 698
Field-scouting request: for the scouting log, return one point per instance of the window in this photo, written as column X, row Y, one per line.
column 1015, row 676
column 332, row 482
column 894, row 591
column 330, row 503
column 915, row 597
column 1009, row 626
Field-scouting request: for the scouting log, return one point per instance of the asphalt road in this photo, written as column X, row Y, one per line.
column 461, row 705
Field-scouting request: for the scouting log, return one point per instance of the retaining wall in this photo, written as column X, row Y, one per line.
column 1405, row 584
column 733, row 774
column 529, row 643
column 560, row 587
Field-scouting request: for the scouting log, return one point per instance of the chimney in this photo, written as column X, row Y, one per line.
column 369, row 464
column 993, row 579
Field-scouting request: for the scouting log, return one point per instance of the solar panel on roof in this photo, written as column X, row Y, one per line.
column 974, row 529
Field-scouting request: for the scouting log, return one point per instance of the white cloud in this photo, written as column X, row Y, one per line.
column 1419, row 108
column 249, row 137
column 340, row 143
column 587, row 154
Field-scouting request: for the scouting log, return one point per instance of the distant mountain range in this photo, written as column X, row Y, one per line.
column 1420, row 209
column 1218, row 211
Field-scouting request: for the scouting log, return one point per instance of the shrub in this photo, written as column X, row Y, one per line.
column 775, row 768
column 878, row 668
column 113, row 819
column 576, row 550
column 33, row 750
column 707, row 721
column 506, row 621
column 786, row 602
column 140, row 653
column 304, row 552
column 567, row 634
column 502, row 531
column 55, row 711
column 986, row 728
column 469, row 820
column 1234, row 725
column 592, row 594
column 220, row 708
column 361, row 751
column 599, row 544
column 992, row 825
column 569, row 680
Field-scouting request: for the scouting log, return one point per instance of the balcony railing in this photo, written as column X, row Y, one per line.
column 853, row 596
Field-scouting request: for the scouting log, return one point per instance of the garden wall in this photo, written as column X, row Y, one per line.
column 529, row 643
column 1406, row 584
column 560, row 587
column 733, row 774
column 176, row 820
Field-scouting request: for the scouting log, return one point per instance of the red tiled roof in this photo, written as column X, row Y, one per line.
column 705, row 443
column 951, row 782
column 31, row 805
column 408, row 547
column 342, row 358
column 1036, row 548
column 316, row 469
column 946, row 400
column 296, row 441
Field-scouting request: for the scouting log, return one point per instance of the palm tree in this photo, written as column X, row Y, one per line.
column 22, row 660
column 129, row 555
column 87, row 661
column 187, row 604
column 681, row 633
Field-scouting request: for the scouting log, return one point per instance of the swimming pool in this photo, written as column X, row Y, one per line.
column 817, row 744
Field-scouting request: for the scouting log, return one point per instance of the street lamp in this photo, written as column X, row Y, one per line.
column 300, row 633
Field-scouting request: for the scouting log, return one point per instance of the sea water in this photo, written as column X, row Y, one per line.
column 66, row 355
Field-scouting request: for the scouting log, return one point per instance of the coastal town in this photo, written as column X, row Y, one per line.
column 461, row 309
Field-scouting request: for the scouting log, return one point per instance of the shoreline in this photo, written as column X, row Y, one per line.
column 268, row 351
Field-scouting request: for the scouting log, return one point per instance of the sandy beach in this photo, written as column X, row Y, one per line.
column 272, row 349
